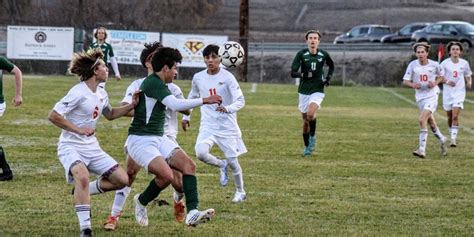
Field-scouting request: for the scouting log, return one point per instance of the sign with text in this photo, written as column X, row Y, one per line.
column 191, row 46
column 40, row 42
column 128, row 45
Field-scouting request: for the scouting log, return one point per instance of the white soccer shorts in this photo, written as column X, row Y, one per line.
column 449, row 107
column 305, row 100
column 143, row 149
column 96, row 160
column 429, row 103
column 2, row 108
column 232, row 146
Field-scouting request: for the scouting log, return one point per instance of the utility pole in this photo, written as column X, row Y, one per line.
column 244, row 37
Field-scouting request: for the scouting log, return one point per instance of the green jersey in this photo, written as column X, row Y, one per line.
column 149, row 115
column 106, row 49
column 312, row 68
column 4, row 65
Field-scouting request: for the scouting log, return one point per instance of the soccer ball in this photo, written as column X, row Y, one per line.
column 231, row 54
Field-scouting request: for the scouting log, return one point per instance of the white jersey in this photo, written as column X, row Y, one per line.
column 171, row 117
column 455, row 72
column 423, row 74
column 224, row 84
column 83, row 108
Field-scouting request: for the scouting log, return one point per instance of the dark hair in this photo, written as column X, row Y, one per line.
column 450, row 44
column 83, row 64
column 208, row 50
column 148, row 50
column 311, row 32
column 100, row 28
column 422, row 44
column 165, row 56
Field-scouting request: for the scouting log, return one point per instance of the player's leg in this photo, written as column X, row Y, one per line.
column 178, row 195
column 121, row 196
column 423, row 134
column 303, row 104
column 82, row 200
column 437, row 133
column 181, row 162
column 233, row 148
column 315, row 101
column 112, row 176
column 7, row 174
column 204, row 143
column 455, row 125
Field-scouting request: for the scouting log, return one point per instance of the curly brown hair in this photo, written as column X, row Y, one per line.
column 83, row 64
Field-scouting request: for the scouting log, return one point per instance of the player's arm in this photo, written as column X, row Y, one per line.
column 18, row 100
column 58, row 120
column 238, row 101
column 295, row 66
column 468, row 82
column 117, row 112
column 194, row 93
column 113, row 62
column 330, row 64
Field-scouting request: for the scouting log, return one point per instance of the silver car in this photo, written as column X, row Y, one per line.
column 363, row 34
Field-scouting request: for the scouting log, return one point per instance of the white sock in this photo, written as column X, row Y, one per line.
column 438, row 134
column 237, row 173
column 84, row 215
column 202, row 153
column 119, row 200
column 178, row 196
column 423, row 137
column 94, row 187
column 454, row 132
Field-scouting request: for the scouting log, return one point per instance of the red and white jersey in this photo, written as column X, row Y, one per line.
column 423, row 74
column 455, row 72
column 171, row 117
column 83, row 108
column 224, row 84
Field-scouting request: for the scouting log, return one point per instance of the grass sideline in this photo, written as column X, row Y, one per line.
column 362, row 179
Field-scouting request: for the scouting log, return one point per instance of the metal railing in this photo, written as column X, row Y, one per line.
column 278, row 47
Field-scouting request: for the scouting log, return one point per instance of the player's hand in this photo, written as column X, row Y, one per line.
column 451, row 83
column 416, row 86
column 118, row 77
column 136, row 98
column 213, row 99
column 221, row 109
column 86, row 131
column 185, row 124
column 18, row 100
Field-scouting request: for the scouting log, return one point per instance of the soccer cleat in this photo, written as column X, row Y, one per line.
column 453, row 143
column 179, row 211
column 444, row 148
column 196, row 217
column 224, row 179
column 141, row 215
column 112, row 222
column 312, row 142
column 6, row 176
column 239, row 197
column 86, row 233
column 307, row 151
column 418, row 153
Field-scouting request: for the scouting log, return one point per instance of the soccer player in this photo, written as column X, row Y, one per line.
column 424, row 75
column 100, row 36
column 457, row 79
column 5, row 64
column 170, row 130
column 310, row 61
column 219, row 122
column 148, row 147
column 77, row 114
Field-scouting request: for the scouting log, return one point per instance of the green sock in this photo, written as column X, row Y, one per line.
column 150, row 193
column 190, row 192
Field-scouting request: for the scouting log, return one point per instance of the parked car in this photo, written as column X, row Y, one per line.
column 363, row 33
column 445, row 31
column 404, row 34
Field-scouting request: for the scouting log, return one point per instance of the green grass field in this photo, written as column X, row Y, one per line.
column 362, row 179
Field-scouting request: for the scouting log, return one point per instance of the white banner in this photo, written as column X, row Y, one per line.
column 40, row 42
column 127, row 45
column 191, row 46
